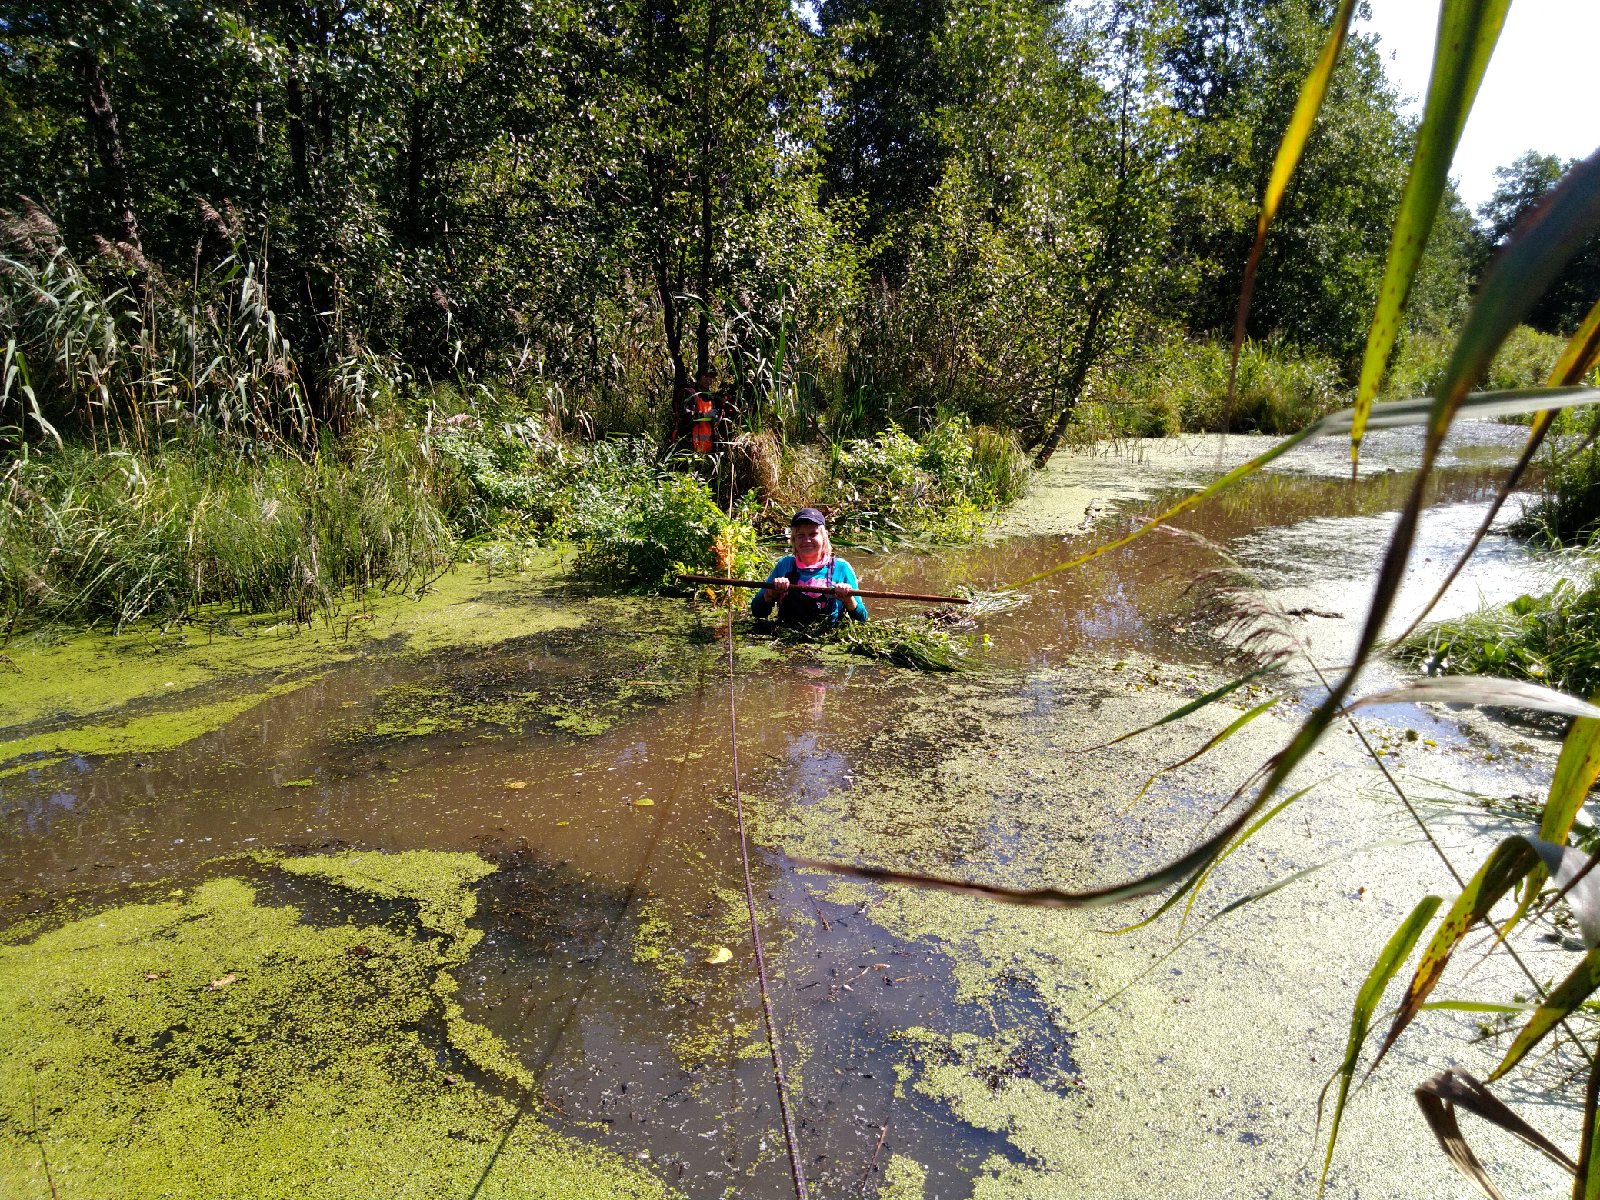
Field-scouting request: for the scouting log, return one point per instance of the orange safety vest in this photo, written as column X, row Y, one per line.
column 703, row 423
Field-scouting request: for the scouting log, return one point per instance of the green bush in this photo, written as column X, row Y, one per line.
column 637, row 524
column 1549, row 639
column 891, row 484
column 1524, row 360
column 507, row 478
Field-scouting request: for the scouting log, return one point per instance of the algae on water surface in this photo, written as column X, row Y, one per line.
column 1192, row 1063
column 209, row 1044
column 437, row 880
column 100, row 693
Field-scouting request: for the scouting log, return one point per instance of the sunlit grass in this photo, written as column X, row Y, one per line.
column 1553, row 639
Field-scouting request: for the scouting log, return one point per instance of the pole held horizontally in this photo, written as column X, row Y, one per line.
column 808, row 587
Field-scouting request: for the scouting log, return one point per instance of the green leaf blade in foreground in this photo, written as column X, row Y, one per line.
column 1523, row 271
column 1568, row 994
column 1576, row 771
column 1389, row 962
column 1290, row 150
column 1193, row 885
column 1540, row 247
column 1586, row 1179
column 1183, row 710
column 1577, row 359
column 1232, row 728
column 1511, row 861
column 1468, row 31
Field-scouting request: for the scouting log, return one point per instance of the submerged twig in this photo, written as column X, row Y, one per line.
column 866, row 1175
column 33, row 1101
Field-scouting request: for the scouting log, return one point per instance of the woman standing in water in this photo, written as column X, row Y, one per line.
column 810, row 584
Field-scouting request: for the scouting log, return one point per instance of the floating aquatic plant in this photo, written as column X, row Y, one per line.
column 908, row 642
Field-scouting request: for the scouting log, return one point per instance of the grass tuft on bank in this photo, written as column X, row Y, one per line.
column 1181, row 386
column 1548, row 639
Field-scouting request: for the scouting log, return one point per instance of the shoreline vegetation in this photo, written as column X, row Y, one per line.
column 91, row 538
column 386, row 309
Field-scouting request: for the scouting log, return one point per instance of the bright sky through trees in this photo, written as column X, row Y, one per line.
column 1538, row 93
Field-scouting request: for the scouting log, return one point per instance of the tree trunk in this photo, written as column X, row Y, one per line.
column 1111, row 263
column 296, row 108
column 702, row 342
column 416, row 152
column 668, row 282
column 101, row 115
column 1078, row 376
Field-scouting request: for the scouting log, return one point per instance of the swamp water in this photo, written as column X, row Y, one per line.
column 445, row 919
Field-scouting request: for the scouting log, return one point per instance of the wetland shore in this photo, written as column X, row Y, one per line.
column 416, row 842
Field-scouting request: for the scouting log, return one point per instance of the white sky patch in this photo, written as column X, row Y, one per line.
column 1538, row 94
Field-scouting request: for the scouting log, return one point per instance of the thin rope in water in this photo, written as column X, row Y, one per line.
column 533, row 1092
column 796, row 1171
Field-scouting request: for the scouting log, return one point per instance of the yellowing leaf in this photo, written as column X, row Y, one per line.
column 643, row 802
column 516, row 785
column 560, row 824
column 1468, row 30
column 1289, row 150
column 718, row 956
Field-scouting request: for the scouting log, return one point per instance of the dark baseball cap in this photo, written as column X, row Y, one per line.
column 811, row 516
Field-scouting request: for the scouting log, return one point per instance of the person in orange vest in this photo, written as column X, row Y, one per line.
column 702, row 413
column 685, row 409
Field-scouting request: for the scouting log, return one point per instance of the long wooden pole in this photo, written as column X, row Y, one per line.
column 808, row 587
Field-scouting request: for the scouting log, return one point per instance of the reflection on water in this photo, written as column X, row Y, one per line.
column 567, row 972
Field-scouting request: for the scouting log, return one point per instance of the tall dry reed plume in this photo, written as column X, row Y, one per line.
column 112, row 348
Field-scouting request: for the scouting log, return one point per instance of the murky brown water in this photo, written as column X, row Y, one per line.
column 557, row 974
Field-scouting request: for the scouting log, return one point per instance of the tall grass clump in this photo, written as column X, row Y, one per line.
column 111, row 348
column 1567, row 510
column 117, row 537
column 1180, row 386
column 1549, row 639
column 1001, row 468
column 1523, row 361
